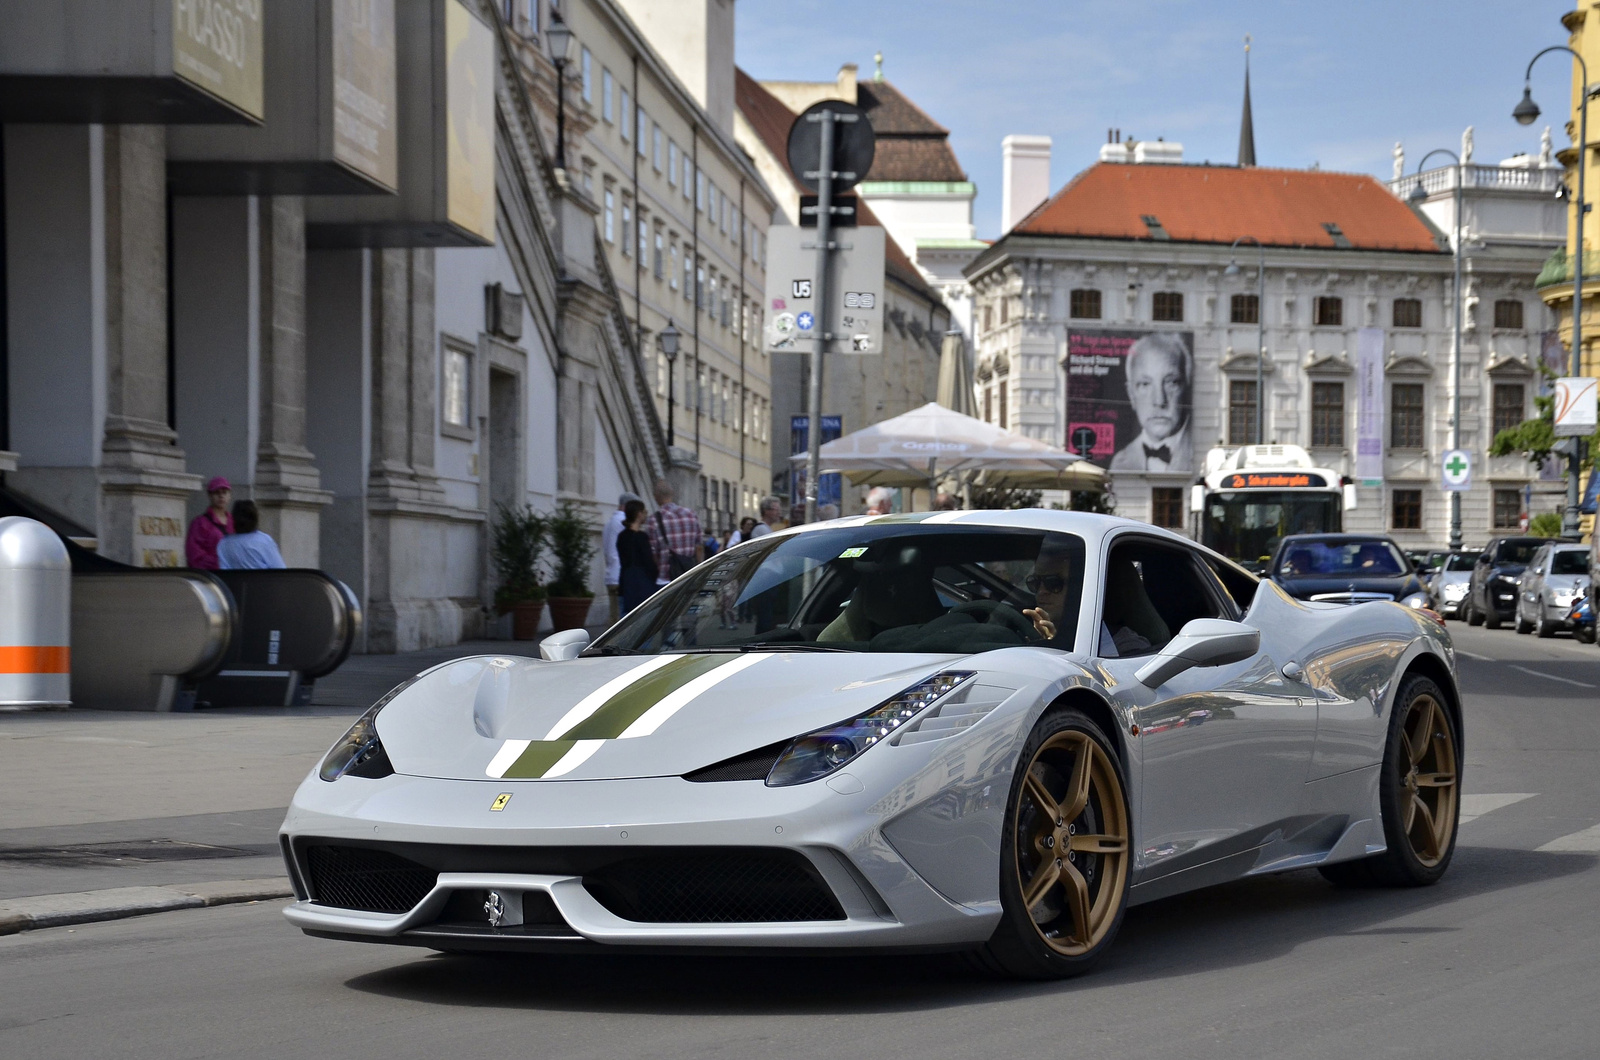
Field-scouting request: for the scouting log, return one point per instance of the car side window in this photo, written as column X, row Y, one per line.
column 1239, row 584
column 1149, row 592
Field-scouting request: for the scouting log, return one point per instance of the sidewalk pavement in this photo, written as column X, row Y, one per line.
column 111, row 814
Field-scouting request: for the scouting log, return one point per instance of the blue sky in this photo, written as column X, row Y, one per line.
column 1333, row 83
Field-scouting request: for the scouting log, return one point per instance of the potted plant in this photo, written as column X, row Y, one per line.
column 572, row 549
column 519, row 540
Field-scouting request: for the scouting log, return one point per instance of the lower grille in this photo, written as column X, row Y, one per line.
column 375, row 881
column 735, row 887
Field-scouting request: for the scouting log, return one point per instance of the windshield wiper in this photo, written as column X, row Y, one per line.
column 790, row 646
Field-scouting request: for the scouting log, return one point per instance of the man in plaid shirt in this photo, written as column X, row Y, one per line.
column 682, row 534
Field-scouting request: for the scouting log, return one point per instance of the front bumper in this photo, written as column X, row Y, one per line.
column 449, row 824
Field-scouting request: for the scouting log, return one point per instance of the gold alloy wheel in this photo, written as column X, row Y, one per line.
column 1072, row 842
column 1428, row 780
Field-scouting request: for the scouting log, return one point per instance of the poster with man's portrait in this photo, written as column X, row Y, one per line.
column 1130, row 399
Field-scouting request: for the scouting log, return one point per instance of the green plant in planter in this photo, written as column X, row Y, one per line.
column 572, row 548
column 519, row 538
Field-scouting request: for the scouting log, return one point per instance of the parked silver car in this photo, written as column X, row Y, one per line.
column 1449, row 582
column 1557, row 577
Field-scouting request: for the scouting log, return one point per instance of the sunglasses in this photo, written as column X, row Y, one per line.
column 1050, row 583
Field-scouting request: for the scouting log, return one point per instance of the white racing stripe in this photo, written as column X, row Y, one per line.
column 580, row 753
column 1584, row 842
column 597, row 699
column 509, row 752
column 1475, row 806
column 652, row 719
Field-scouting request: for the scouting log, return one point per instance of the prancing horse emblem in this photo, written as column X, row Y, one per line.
column 495, row 908
column 500, row 801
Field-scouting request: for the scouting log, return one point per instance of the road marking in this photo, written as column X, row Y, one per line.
column 1474, row 655
column 1584, row 842
column 1552, row 677
column 1475, row 806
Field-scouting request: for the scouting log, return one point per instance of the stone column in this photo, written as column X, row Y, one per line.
column 143, row 484
column 287, row 483
column 424, row 374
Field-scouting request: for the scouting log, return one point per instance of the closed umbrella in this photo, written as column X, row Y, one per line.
column 955, row 378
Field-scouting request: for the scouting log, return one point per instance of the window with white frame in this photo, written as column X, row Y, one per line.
column 688, row 175
column 624, row 124
column 672, row 162
column 655, row 147
column 642, row 121
column 586, row 68
column 609, row 220
column 644, row 240
column 627, row 227
column 607, row 90
column 658, row 265
column 699, row 190
column 672, row 271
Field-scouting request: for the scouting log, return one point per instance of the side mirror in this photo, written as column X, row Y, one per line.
column 1203, row 642
column 559, row 647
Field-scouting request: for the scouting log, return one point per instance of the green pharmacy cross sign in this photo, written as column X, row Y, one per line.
column 1457, row 470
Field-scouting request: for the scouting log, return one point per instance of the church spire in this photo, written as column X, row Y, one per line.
column 1247, row 130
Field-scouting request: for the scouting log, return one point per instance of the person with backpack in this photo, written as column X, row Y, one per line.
column 676, row 539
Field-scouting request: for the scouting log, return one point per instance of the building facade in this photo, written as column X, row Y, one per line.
column 683, row 216
column 1131, row 249
column 382, row 311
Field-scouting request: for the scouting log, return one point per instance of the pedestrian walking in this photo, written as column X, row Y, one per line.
column 209, row 527
column 676, row 539
column 880, row 501
column 249, row 547
column 771, row 517
column 742, row 534
column 615, row 522
column 636, row 564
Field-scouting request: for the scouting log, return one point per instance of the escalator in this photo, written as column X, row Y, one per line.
column 167, row 639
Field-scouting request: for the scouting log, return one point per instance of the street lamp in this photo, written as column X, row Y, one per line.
column 560, row 37
column 1416, row 198
column 668, row 343
column 1261, row 319
column 1526, row 112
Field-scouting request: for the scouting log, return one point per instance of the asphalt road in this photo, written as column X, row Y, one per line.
column 1499, row 960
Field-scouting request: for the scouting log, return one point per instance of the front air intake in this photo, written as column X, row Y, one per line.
column 374, row 881
column 714, row 887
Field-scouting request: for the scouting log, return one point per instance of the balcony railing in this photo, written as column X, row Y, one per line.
column 1485, row 178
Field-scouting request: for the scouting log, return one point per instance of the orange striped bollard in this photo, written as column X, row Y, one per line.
column 35, row 617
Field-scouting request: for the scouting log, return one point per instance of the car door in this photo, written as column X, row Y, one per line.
column 1478, row 587
column 1224, row 749
column 1531, row 585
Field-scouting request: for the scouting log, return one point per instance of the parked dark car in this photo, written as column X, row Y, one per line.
column 1347, row 569
column 1492, row 597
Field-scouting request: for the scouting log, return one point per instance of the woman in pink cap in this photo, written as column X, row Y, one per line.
column 210, row 526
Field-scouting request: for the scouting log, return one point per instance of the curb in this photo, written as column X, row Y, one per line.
column 87, row 907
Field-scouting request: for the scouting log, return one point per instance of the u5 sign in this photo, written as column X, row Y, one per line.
column 855, row 291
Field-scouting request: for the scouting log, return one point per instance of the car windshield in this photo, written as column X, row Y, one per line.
column 1460, row 561
column 1570, row 561
column 1516, row 551
column 880, row 588
column 1322, row 559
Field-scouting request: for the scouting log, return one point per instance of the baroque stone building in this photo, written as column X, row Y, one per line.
column 1131, row 248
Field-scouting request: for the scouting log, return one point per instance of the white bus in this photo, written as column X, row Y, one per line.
column 1253, row 496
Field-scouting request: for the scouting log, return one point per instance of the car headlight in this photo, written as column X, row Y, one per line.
column 1415, row 600
column 1455, row 591
column 359, row 752
column 824, row 751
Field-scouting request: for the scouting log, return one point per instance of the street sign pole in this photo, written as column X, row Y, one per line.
column 824, row 248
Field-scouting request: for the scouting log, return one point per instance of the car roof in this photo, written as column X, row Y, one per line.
column 1340, row 538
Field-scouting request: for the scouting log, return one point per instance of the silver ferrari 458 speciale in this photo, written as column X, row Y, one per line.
column 986, row 730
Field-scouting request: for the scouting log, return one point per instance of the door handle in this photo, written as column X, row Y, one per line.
column 1293, row 671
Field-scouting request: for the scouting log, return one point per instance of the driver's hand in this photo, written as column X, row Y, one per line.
column 1041, row 622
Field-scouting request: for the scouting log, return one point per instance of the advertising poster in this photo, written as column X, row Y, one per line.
column 1130, row 399
column 364, row 89
column 828, row 487
column 1369, row 406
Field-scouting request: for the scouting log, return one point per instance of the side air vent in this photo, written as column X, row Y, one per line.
column 960, row 712
column 375, row 881
column 714, row 887
column 752, row 765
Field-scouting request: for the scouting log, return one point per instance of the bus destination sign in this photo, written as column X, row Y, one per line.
column 1272, row 480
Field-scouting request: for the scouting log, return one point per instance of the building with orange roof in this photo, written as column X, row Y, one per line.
column 1140, row 244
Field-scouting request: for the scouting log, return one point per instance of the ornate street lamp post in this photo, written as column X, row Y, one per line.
column 1261, row 320
column 1526, row 112
column 1417, row 197
column 560, row 38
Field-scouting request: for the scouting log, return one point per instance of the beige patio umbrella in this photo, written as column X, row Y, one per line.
column 955, row 375
column 920, row 447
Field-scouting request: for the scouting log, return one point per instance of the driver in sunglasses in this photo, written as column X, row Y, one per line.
column 1048, row 584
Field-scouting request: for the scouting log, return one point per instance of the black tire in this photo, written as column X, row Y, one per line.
column 1491, row 617
column 1419, row 856
column 1067, row 943
column 1545, row 628
column 1583, row 635
column 1474, row 616
column 1523, row 625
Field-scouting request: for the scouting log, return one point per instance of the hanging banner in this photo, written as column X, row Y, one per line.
column 1553, row 355
column 1130, row 399
column 830, row 488
column 1575, row 406
column 1369, row 406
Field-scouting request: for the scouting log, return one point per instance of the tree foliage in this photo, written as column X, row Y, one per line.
column 1536, row 439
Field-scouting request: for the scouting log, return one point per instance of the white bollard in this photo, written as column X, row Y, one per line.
column 35, row 617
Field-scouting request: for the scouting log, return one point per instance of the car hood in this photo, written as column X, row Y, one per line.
column 1453, row 577
column 1566, row 581
column 1507, row 570
column 1396, row 586
column 515, row 718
